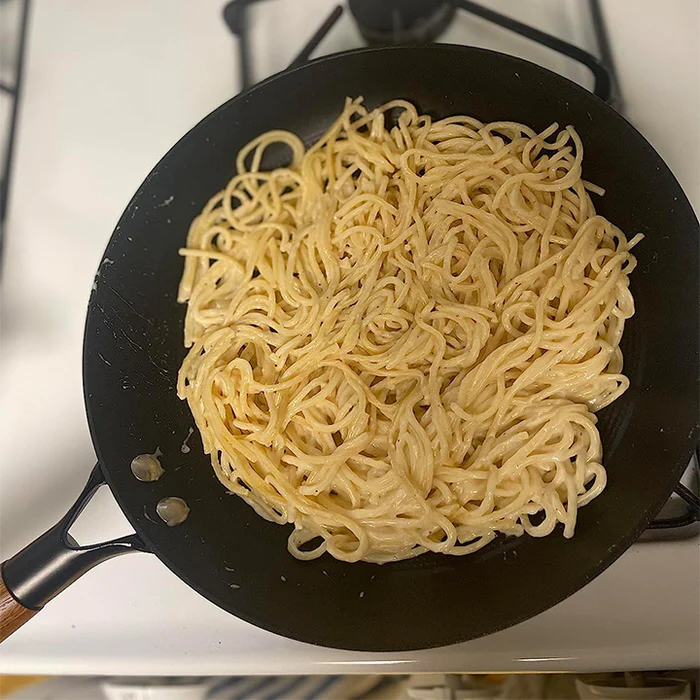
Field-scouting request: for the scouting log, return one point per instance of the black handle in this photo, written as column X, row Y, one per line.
column 53, row 561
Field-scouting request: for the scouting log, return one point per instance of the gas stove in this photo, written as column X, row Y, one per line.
column 104, row 96
column 568, row 37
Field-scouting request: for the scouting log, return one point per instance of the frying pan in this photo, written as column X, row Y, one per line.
column 133, row 349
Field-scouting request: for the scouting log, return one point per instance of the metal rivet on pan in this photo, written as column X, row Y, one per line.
column 172, row 511
column 147, row 467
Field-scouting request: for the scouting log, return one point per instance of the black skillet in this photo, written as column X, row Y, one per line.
column 133, row 348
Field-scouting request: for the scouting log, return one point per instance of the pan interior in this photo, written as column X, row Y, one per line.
column 133, row 350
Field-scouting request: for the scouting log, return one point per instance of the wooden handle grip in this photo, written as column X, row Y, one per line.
column 12, row 614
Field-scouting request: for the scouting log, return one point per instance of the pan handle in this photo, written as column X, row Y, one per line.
column 40, row 571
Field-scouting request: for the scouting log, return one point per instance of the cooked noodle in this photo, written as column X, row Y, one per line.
column 399, row 341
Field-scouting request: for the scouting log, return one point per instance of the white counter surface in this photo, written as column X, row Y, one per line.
column 109, row 87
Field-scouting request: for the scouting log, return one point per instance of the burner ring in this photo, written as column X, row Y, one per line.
column 393, row 22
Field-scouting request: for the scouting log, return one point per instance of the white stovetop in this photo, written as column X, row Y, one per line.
column 109, row 87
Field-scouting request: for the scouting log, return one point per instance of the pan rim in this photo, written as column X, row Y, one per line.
column 585, row 577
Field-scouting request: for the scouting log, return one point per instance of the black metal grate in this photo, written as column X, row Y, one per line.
column 606, row 85
column 15, row 92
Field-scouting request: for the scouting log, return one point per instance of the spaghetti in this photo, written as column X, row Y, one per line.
column 399, row 341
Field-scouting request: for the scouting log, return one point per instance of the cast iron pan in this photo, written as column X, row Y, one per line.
column 133, row 348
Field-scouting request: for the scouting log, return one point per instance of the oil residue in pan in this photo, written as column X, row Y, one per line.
column 185, row 447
